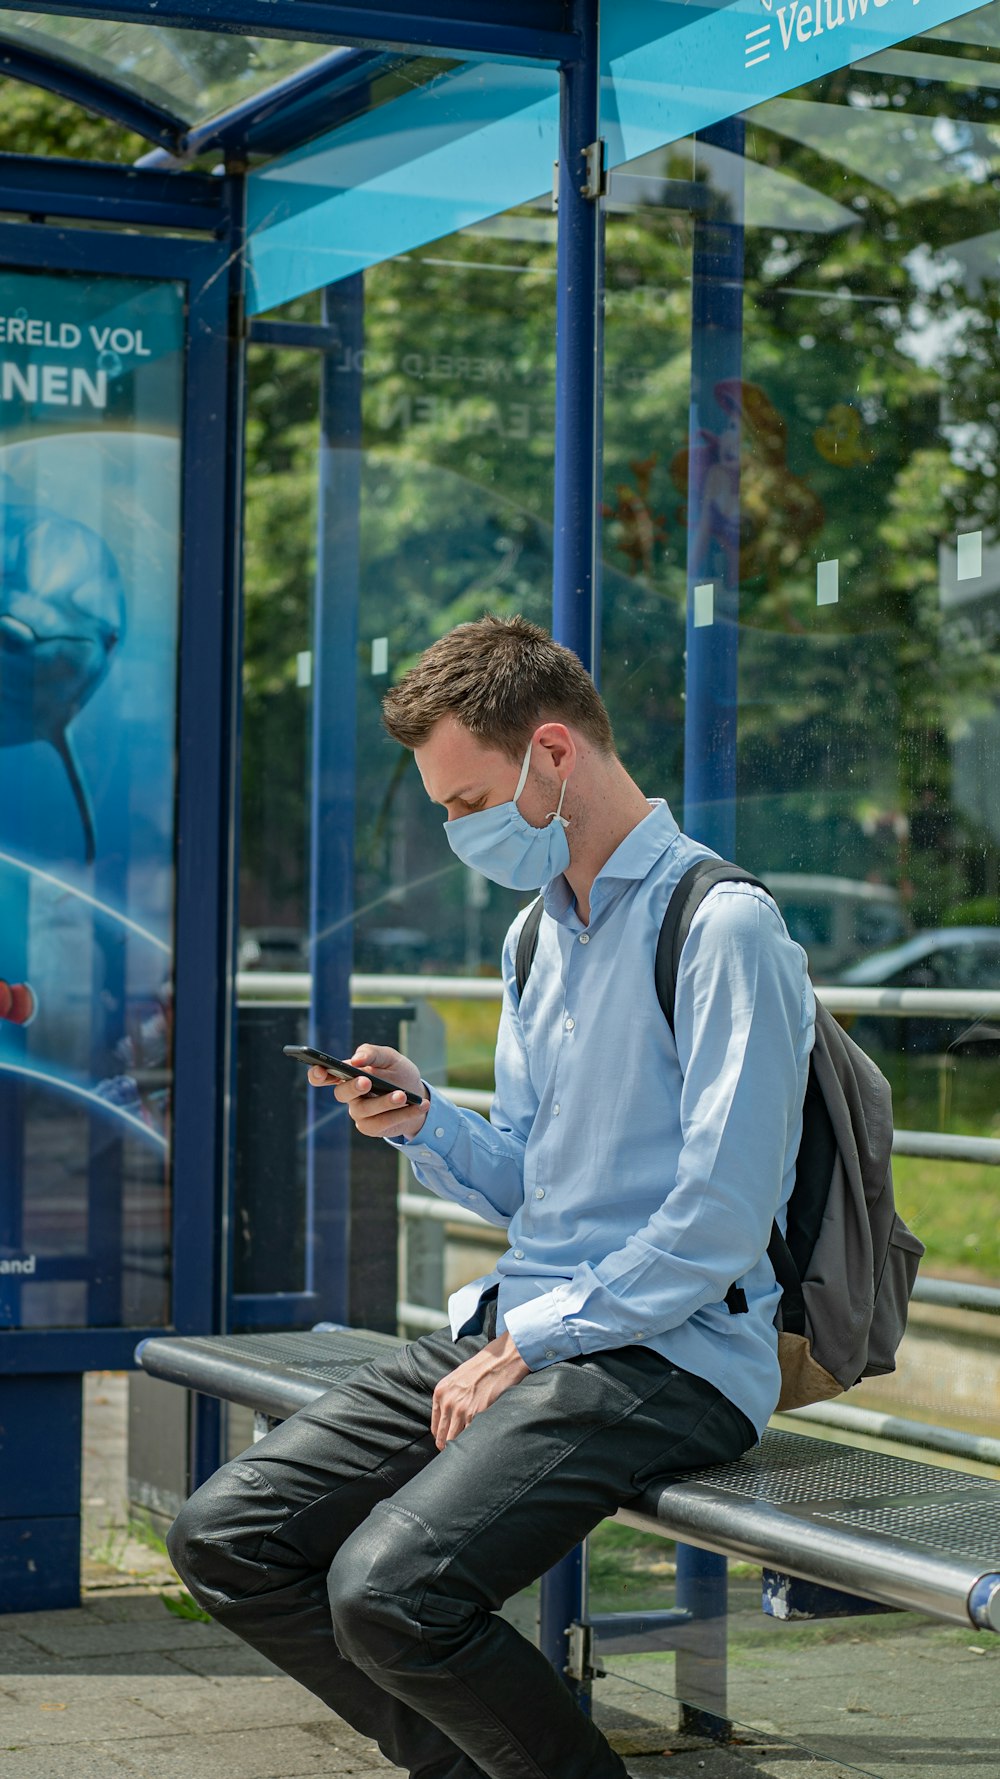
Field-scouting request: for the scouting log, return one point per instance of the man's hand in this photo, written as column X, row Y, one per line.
column 378, row 1114
column 472, row 1386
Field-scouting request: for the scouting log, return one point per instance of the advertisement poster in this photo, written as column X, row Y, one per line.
column 91, row 387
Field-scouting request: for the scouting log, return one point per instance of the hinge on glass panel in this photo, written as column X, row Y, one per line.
column 555, row 185
column 580, row 1664
column 595, row 161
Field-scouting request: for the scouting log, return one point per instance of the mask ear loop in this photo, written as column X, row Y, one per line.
column 563, row 820
column 522, row 781
column 553, row 815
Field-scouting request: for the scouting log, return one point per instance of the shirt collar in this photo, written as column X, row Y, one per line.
column 631, row 861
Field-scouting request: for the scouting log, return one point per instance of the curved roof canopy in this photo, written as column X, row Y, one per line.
column 190, row 74
column 186, row 90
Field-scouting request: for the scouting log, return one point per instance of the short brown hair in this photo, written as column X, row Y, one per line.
column 499, row 678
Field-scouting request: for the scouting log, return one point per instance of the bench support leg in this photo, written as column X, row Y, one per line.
column 700, row 1676
column 562, row 1601
column 205, row 1439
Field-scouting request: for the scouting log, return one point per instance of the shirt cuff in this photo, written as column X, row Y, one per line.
column 539, row 1332
column 438, row 1132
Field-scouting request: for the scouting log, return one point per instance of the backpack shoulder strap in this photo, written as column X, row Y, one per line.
column 682, row 907
column 527, row 941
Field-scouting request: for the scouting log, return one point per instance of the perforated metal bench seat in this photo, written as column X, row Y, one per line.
column 893, row 1530
column 276, row 1374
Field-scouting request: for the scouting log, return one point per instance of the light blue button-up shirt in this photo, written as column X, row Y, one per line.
column 639, row 1175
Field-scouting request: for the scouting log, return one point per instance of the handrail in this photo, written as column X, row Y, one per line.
column 899, row 1003
column 951, row 1294
column 846, row 1418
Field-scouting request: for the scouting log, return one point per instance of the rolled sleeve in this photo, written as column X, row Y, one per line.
column 539, row 1332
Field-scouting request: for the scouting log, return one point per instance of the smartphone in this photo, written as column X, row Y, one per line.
column 345, row 1071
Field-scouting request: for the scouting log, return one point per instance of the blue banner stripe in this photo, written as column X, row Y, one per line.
column 482, row 138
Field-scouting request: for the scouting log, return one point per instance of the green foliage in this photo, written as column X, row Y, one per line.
column 39, row 123
column 183, row 1606
column 980, row 911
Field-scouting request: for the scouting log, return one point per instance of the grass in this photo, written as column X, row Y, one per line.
column 471, row 1029
column 954, row 1208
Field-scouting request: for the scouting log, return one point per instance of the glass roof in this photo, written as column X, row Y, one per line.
column 192, row 74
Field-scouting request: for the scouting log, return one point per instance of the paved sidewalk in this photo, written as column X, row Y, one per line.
column 125, row 1687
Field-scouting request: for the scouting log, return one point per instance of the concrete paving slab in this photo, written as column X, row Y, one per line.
column 243, row 1754
column 219, row 1663
column 73, row 1681
column 241, row 1702
column 52, row 1719
column 83, row 1635
column 129, row 1606
column 103, row 1670
column 781, row 1761
column 95, row 1762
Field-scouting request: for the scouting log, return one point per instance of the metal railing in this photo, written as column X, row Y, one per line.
column 902, row 1003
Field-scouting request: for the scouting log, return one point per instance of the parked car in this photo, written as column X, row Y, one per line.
column 940, row 957
column 273, row 948
column 836, row 920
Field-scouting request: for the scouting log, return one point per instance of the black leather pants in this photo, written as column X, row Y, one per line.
column 370, row 1566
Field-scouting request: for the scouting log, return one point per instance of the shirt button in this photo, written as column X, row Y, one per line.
column 549, row 1353
column 584, row 938
column 539, row 1191
column 440, row 1131
column 638, row 1334
column 518, row 1253
column 570, row 1023
column 555, row 1111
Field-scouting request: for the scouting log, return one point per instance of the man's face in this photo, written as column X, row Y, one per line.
column 464, row 775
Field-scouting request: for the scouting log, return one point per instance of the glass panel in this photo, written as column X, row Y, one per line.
column 279, row 571
column 445, row 156
column 451, row 516
column 190, row 73
column 801, row 487
column 91, row 383
column 456, row 520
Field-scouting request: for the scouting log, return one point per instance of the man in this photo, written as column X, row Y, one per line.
column 366, row 1544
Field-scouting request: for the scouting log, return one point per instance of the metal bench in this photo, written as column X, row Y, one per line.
column 837, row 1530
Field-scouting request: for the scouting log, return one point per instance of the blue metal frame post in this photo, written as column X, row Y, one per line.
column 713, row 566
column 576, row 557
column 214, row 435
column 710, row 736
column 578, row 353
column 334, row 671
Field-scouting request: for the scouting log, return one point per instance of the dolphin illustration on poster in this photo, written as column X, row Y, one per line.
column 62, row 615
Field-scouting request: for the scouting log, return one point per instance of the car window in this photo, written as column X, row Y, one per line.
column 935, row 970
column 980, row 966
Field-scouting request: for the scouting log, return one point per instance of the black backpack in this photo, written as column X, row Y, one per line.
column 847, row 1262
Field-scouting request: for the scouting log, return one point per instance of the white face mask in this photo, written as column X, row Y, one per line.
column 507, row 849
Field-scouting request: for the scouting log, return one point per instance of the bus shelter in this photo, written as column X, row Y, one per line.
column 674, row 328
